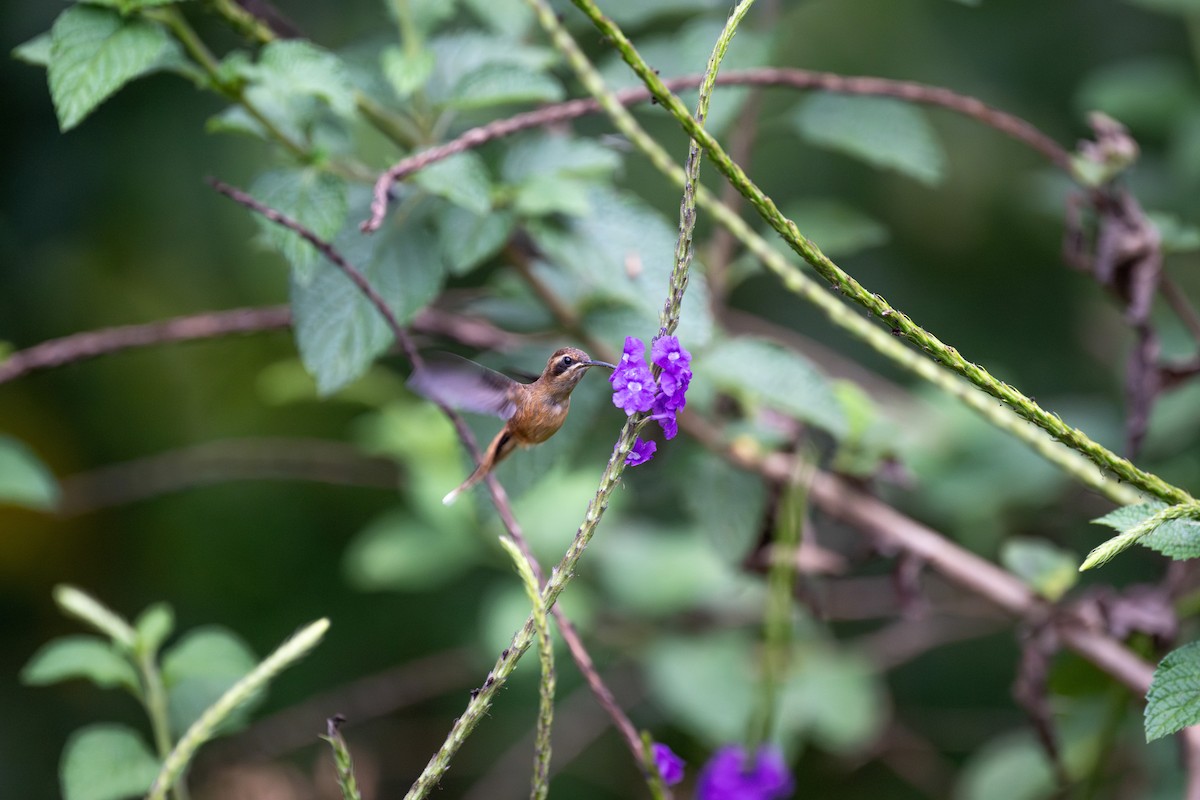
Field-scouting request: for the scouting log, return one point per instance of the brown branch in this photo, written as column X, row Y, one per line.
column 499, row 497
column 1005, row 123
column 81, row 346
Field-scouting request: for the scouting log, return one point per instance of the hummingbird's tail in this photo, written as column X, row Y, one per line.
column 497, row 451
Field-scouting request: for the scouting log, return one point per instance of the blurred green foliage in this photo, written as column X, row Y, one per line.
column 110, row 224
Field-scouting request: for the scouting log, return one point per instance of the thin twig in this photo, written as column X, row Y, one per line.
column 1008, row 124
column 81, row 346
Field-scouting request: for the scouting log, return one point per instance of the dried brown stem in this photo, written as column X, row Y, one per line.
column 1006, row 123
column 81, row 346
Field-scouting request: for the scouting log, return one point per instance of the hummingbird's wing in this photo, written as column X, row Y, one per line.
column 465, row 385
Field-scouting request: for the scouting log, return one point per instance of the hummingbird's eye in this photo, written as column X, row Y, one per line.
column 567, row 361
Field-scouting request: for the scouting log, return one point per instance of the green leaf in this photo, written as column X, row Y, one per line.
column 462, row 179
column 557, row 154
column 727, row 504
column 400, row 551
column 836, row 228
column 833, row 698
column 1148, row 94
column 199, row 669
column 24, row 480
column 650, row 570
column 881, row 131
column 503, row 85
column 468, row 240
column 544, row 195
column 759, row 371
column 706, row 685
column 1173, row 701
column 1177, row 236
column 338, row 331
column 94, row 52
column 1176, row 538
column 505, row 608
column 621, row 251
column 36, row 51
column 315, row 199
column 509, row 18
column 1013, row 767
column 294, row 67
column 406, row 72
column 153, row 626
column 464, row 53
column 87, row 657
column 106, row 762
column 1045, row 568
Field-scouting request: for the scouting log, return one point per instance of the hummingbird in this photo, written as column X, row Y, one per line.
column 532, row 412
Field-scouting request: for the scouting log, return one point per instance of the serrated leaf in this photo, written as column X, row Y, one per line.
column 1045, row 568
column 106, row 762
column 880, row 131
column 1173, row 701
column 25, row 480
column 199, row 669
column 835, row 227
column 406, row 72
column 315, row 199
column 727, row 504
column 759, row 371
column 338, row 332
column 504, row 85
column 402, row 552
column 87, row 657
column 293, row 67
column 462, row 179
column 468, row 240
column 1176, row 538
column 94, row 52
column 621, row 251
column 36, row 51
column 463, row 53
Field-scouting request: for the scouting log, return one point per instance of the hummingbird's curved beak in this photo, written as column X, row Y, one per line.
column 599, row 364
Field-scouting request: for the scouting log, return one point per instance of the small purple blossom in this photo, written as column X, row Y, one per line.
column 642, row 452
column 633, row 384
column 670, row 766
column 729, row 775
column 675, row 362
column 664, row 415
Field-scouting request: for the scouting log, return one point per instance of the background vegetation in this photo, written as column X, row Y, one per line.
column 213, row 475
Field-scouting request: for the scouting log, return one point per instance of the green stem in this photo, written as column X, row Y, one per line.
column 691, row 170
column 243, row 21
column 541, row 751
column 1106, row 550
column 874, row 303
column 154, row 699
column 559, row 578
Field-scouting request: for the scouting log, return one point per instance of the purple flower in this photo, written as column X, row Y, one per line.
column 670, row 766
column 633, row 384
column 641, row 453
column 667, row 353
column 729, row 775
column 664, row 415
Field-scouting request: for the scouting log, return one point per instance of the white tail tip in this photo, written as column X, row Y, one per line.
column 450, row 498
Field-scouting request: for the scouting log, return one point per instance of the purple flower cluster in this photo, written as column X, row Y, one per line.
column 635, row 390
column 730, row 775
